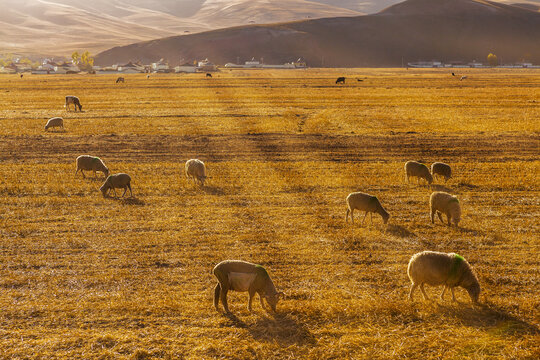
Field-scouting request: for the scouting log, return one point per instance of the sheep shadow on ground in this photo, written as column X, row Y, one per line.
column 490, row 316
column 127, row 200
column 282, row 328
column 213, row 190
column 399, row 231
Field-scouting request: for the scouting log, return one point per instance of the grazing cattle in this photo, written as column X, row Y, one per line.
column 120, row 79
column 70, row 99
column 453, row 74
column 340, row 80
column 208, row 75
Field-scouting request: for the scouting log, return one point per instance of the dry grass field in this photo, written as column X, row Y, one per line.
column 82, row 276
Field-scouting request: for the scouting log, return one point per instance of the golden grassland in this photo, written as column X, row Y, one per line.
column 86, row 277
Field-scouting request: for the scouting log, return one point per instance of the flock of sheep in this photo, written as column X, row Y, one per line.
column 428, row 267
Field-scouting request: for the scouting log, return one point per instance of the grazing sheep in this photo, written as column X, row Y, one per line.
column 54, row 122
column 148, row 76
column 442, row 169
column 242, row 276
column 463, row 78
column 340, row 80
column 70, row 99
column 437, row 268
column 208, row 75
column 120, row 79
column 442, row 202
column 453, row 74
column 116, row 181
column 196, row 170
column 367, row 203
column 87, row 162
column 418, row 170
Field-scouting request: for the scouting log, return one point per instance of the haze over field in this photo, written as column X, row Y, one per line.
column 58, row 27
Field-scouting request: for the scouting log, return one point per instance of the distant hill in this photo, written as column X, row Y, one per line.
column 413, row 30
column 58, row 27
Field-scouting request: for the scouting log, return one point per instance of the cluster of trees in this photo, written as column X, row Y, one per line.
column 6, row 60
column 492, row 60
column 84, row 61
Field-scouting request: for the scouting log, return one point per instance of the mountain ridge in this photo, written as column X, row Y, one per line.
column 409, row 31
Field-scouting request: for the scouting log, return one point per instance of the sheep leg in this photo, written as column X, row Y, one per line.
column 125, row 190
column 448, row 217
column 130, row 192
column 364, row 218
column 440, row 216
column 371, row 215
column 453, row 296
column 443, row 290
column 347, row 216
column 114, row 191
column 413, row 287
column 217, row 290
column 261, row 300
column 433, row 216
column 352, row 216
column 424, row 292
column 224, row 299
column 250, row 301
column 95, row 174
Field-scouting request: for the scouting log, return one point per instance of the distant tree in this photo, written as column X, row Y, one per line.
column 87, row 61
column 75, row 57
column 492, row 60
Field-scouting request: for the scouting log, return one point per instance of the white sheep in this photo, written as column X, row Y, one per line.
column 437, row 268
column 196, row 170
column 242, row 276
column 93, row 163
column 441, row 202
column 54, row 122
column 418, row 170
column 365, row 202
column 122, row 181
column 442, row 169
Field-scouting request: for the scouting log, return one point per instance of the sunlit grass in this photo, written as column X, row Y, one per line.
column 88, row 277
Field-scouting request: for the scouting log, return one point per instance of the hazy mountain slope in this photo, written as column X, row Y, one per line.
column 413, row 30
column 61, row 26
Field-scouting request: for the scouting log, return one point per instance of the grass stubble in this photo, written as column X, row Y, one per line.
column 86, row 277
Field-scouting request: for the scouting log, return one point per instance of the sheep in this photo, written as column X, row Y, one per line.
column 116, row 181
column 242, row 276
column 54, row 122
column 340, row 80
column 196, row 170
column 367, row 203
column 439, row 168
column 120, row 79
column 442, row 202
column 70, row 99
column 463, row 78
column 87, row 162
column 208, row 75
column 418, row 170
column 437, row 268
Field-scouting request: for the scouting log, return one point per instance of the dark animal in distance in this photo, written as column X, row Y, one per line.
column 120, row 79
column 70, row 99
column 340, row 80
column 359, row 80
column 21, row 76
column 453, row 74
column 208, row 75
